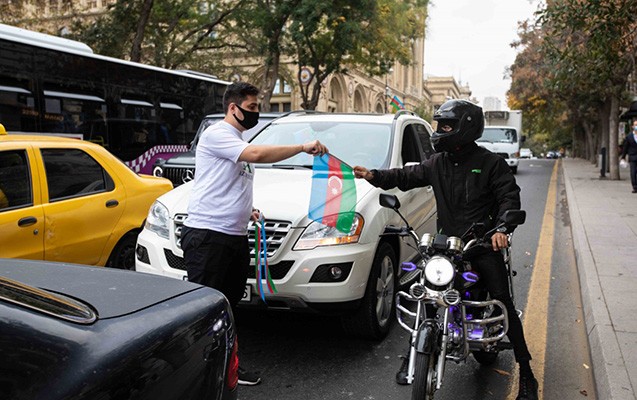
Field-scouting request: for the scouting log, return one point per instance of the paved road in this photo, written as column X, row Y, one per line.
column 309, row 357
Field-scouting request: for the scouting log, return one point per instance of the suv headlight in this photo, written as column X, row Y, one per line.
column 158, row 220
column 317, row 234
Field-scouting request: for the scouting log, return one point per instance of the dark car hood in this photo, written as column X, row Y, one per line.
column 96, row 285
column 182, row 159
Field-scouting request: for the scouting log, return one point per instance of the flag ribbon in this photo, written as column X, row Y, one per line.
column 261, row 268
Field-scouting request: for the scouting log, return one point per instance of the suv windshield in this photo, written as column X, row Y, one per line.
column 495, row 135
column 365, row 144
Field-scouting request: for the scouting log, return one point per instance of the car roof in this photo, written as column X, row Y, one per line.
column 43, row 138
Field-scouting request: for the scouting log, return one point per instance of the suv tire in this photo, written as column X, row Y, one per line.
column 373, row 318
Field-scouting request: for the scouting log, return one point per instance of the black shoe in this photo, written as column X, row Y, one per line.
column 528, row 388
column 634, row 190
column 248, row 378
column 401, row 375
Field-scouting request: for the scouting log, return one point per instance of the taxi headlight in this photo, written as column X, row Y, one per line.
column 158, row 220
column 317, row 234
column 439, row 271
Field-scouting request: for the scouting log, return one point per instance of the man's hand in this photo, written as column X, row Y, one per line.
column 499, row 241
column 315, row 148
column 256, row 214
column 362, row 172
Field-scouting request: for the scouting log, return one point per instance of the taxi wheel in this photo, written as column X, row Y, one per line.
column 123, row 255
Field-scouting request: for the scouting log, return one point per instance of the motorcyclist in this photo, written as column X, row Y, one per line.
column 471, row 185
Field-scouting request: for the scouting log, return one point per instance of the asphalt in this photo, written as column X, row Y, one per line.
column 603, row 216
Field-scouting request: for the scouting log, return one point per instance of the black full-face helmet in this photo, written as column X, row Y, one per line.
column 456, row 124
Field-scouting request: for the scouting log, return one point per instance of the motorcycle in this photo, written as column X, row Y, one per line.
column 448, row 310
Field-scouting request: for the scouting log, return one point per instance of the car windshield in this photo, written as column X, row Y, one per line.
column 365, row 144
column 501, row 135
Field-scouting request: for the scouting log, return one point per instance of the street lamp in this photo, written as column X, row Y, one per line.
column 387, row 89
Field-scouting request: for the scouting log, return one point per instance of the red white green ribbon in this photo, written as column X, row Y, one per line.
column 261, row 269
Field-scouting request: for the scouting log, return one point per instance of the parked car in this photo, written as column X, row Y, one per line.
column 526, row 153
column 314, row 267
column 181, row 167
column 70, row 200
column 79, row 332
column 552, row 154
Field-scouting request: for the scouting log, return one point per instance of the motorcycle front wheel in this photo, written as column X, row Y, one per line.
column 424, row 384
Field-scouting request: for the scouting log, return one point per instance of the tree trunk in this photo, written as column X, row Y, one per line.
column 144, row 16
column 271, row 73
column 613, row 122
column 604, row 119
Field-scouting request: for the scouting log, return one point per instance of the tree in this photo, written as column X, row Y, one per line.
column 262, row 27
column 167, row 33
column 332, row 36
column 590, row 47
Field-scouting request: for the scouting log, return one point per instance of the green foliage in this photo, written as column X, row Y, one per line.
column 178, row 32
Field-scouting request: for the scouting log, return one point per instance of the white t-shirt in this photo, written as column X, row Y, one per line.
column 221, row 197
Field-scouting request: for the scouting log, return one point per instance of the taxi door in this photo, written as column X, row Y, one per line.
column 21, row 213
column 83, row 202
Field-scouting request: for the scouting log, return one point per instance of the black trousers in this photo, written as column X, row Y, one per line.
column 217, row 260
column 633, row 174
column 490, row 266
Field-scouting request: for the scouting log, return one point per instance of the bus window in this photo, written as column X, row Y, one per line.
column 17, row 106
column 65, row 111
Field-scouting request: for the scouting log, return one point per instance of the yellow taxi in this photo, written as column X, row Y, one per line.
column 69, row 200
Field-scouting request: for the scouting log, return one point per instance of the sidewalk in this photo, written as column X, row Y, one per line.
column 604, row 224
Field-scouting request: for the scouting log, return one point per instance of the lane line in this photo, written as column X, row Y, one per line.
column 537, row 303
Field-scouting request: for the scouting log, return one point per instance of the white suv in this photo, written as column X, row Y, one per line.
column 315, row 267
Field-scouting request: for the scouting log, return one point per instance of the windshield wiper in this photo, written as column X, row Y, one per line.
column 291, row 166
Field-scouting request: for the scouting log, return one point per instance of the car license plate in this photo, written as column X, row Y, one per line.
column 247, row 294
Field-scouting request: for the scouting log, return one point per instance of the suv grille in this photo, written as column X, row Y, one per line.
column 179, row 175
column 275, row 232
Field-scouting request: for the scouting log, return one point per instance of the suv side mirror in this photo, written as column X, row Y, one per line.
column 389, row 201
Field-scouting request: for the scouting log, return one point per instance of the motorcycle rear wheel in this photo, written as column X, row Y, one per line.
column 424, row 386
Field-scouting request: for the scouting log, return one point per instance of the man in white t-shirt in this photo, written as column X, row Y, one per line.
column 214, row 238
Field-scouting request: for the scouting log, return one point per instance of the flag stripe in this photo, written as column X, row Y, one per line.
column 334, row 190
column 319, row 189
column 348, row 200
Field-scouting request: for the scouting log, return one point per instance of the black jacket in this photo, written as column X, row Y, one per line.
column 477, row 186
column 630, row 148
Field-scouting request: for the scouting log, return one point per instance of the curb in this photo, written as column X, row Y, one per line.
column 609, row 369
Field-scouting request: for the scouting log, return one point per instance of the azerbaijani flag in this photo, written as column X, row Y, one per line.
column 333, row 197
column 397, row 104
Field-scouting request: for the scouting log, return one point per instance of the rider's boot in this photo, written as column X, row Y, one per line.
column 401, row 375
column 528, row 384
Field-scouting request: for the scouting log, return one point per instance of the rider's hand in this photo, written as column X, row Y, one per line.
column 499, row 241
column 362, row 172
column 315, row 148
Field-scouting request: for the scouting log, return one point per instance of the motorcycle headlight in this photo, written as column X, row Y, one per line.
column 317, row 234
column 439, row 271
column 158, row 220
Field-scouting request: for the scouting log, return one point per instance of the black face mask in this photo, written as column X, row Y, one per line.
column 250, row 118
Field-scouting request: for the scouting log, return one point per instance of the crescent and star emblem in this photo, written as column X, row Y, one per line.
column 335, row 185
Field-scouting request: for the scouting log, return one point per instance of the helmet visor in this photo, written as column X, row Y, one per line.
column 444, row 125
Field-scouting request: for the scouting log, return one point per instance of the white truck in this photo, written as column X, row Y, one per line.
column 503, row 135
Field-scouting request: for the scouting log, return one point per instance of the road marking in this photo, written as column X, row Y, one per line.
column 537, row 303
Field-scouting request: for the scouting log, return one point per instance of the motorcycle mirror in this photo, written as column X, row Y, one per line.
column 514, row 217
column 389, row 201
